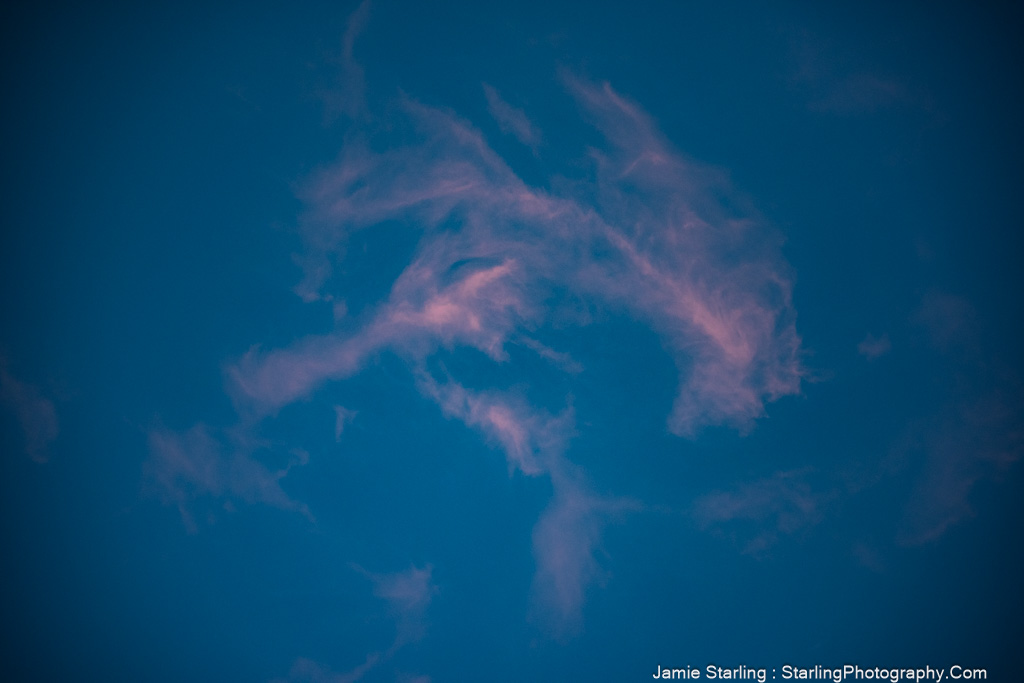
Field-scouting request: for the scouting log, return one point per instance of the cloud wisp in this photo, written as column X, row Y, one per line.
column 35, row 413
column 569, row 531
column 348, row 96
column 782, row 504
column 961, row 446
column 872, row 347
column 512, row 120
column 647, row 235
column 408, row 595
column 186, row 468
column 651, row 236
column 657, row 245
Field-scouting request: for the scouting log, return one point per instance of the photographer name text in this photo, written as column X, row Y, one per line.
column 847, row 672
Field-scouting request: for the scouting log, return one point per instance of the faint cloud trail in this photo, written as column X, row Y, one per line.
column 35, row 413
column 651, row 238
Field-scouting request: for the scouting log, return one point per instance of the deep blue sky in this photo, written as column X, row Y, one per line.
column 409, row 341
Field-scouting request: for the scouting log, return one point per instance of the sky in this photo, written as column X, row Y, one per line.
column 431, row 342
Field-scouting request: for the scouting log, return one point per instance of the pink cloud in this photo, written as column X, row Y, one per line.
column 658, row 246
column 511, row 120
column 565, row 542
column 950, row 321
column 408, row 595
column 961, row 446
column 308, row 671
column 832, row 83
column 531, row 441
column 347, row 96
column 761, row 510
column 860, row 93
column 409, row 591
column 184, row 468
column 569, row 531
column 649, row 236
column 560, row 359
column 872, row 347
column 342, row 416
column 36, row 414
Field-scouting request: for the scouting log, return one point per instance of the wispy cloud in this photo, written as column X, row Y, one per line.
column 569, row 531
column 859, row 93
column 347, row 96
column 308, row 671
column 565, row 542
column 408, row 595
column 185, row 468
column 35, row 413
column 961, row 445
column 756, row 513
column 950, row 321
column 651, row 235
column 530, row 440
column 872, row 347
column 868, row 557
column 659, row 246
column 342, row 417
column 834, row 84
column 512, row 120
column 975, row 434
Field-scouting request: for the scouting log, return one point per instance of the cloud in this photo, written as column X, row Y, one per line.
column 348, row 94
column 975, row 435
column 185, row 468
column 511, row 120
column 872, row 347
column 408, row 594
column 950, row 321
column 651, row 236
column 761, row 510
column 859, row 93
column 833, row 85
column 560, row 359
column 868, row 557
column 35, row 414
column 530, row 440
column 565, row 543
column 962, row 445
column 569, row 531
column 342, row 416
column 658, row 245
column 308, row 671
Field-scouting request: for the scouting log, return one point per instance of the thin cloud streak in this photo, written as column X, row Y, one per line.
column 532, row 442
column 184, row 468
column 566, row 540
column 782, row 504
column 569, row 531
column 872, row 347
column 342, row 417
column 714, row 286
column 962, row 446
column 35, row 413
column 512, row 120
column 408, row 595
column 348, row 96
column 308, row 671
column 648, row 237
